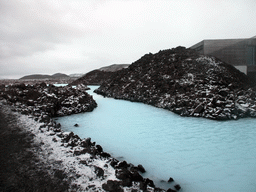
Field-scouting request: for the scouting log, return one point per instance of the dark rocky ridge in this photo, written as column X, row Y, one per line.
column 42, row 102
column 99, row 76
column 49, row 101
column 186, row 83
column 114, row 67
column 95, row 77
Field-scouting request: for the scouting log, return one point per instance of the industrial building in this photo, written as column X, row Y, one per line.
column 240, row 53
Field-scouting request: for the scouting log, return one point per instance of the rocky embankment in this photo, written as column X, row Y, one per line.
column 44, row 101
column 186, row 83
column 95, row 77
column 99, row 76
column 81, row 164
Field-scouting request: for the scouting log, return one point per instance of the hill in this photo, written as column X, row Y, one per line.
column 39, row 76
column 36, row 76
column 114, row 67
column 186, row 83
column 59, row 75
column 95, row 77
column 98, row 76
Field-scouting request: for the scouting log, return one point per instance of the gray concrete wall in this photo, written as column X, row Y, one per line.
column 233, row 51
column 211, row 46
column 236, row 53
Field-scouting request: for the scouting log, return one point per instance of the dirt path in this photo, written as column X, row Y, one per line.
column 20, row 169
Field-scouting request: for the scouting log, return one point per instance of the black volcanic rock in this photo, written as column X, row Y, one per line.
column 52, row 101
column 114, row 67
column 186, row 83
column 42, row 102
column 99, row 76
column 95, row 77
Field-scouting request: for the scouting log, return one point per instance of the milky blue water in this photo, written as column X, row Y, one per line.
column 201, row 155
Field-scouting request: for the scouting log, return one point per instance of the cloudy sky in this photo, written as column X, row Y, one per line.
column 77, row 36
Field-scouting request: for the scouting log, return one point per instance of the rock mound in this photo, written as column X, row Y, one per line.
column 99, row 76
column 114, row 67
column 95, row 77
column 48, row 101
column 186, row 83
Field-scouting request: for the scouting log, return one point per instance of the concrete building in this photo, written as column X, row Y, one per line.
column 238, row 52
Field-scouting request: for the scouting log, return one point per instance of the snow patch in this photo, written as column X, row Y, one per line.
column 207, row 60
column 52, row 151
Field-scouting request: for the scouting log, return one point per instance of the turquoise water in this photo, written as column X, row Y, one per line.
column 201, row 155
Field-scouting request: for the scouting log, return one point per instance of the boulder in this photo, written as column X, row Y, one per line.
column 170, row 180
column 177, row 187
column 135, row 176
column 112, row 186
column 105, row 155
column 122, row 174
column 146, row 182
column 57, row 129
column 86, row 142
column 149, row 182
column 224, row 92
column 127, row 182
column 141, row 168
column 67, row 137
column 99, row 171
column 58, row 125
column 80, row 152
column 122, row 164
column 99, row 148
column 198, row 109
column 114, row 162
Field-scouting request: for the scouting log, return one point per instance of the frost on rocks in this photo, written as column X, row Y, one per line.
column 208, row 60
column 79, row 162
column 80, row 170
column 186, row 83
column 48, row 99
column 85, row 165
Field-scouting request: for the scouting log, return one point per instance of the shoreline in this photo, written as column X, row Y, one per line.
column 81, row 164
column 21, row 167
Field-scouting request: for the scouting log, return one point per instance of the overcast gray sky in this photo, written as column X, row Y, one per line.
column 77, row 36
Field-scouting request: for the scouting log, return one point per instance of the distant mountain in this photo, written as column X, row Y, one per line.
column 60, row 75
column 98, row 76
column 39, row 76
column 36, row 76
column 186, row 83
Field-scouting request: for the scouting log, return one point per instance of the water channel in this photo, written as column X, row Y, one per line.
column 201, row 155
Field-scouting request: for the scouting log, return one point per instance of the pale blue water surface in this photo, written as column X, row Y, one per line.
column 201, row 155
